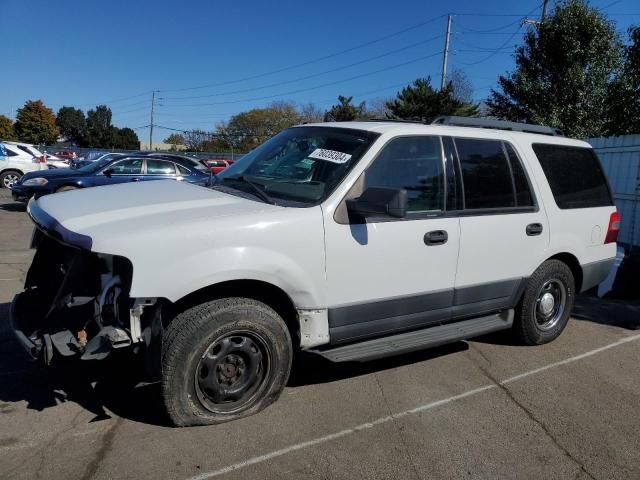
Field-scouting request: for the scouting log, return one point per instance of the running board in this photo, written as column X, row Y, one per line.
column 418, row 339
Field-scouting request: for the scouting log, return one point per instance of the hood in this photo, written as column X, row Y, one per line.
column 129, row 210
column 52, row 173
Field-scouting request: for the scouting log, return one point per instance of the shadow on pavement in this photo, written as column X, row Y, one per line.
column 111, row 385
column 618, row 313
column 13, row 206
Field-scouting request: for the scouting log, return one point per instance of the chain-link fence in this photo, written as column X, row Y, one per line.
column 52, row 149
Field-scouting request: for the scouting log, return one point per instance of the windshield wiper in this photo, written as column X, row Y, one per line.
column 256, row 188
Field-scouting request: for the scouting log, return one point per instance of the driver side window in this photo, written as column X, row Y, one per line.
column 412, row 163
column 127, row 167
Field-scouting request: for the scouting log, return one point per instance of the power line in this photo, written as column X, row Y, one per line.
column 315, row 60
column 299, row 79
column 283, row 94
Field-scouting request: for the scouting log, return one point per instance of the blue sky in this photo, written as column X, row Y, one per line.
column 83, row 53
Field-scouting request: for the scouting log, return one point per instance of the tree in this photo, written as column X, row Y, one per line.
column 462, row 86
column 624, row 95
column 249, row 129
column 344, row 111
column 563, row 72
column 420, row 101
column 310, row 113
column 174, row 140
column 35, row 123
column 124, row 138
column 99, row 133
column 72, row 123
column 377, row 109
column 7, row 132
column 195, row 140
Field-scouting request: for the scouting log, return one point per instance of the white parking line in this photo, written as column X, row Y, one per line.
column 421, row 408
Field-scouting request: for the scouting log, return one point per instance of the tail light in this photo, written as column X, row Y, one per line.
column 614, row 228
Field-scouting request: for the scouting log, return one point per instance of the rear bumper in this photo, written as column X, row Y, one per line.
column 594, row 273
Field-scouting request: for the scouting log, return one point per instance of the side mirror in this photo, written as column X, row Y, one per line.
column 380, row 202
column 107, row 172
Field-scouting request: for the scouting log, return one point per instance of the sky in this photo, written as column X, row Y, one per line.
column 209, row 59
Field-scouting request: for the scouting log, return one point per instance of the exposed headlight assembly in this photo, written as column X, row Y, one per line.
column 35, row 182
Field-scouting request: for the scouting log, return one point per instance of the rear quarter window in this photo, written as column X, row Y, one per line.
column 574, row 175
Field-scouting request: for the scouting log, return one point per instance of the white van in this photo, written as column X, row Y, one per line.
column 16, row 160
column 353, row 240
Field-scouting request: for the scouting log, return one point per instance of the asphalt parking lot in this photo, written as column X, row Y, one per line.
column 479, row 409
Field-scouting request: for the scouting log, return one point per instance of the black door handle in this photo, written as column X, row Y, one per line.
column 534, row 229
column 436, row 237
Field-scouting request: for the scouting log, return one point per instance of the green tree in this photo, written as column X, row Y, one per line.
column 7, row 132
column 72, row 123
column 563, row 72
column 247, row 130
column 124, row 138
column 35, row 123
column 344, row 111
column 174, row 140
column 99, row 133
column 624, row 95
column 420, row 101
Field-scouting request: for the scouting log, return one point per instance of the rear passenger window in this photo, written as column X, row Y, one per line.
column 486, row 175
column 523, row 191
column 182, row 170
column 160, row 167
column 574, row 175
column 415, row 164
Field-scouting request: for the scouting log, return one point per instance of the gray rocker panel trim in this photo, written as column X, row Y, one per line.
column 365, row 320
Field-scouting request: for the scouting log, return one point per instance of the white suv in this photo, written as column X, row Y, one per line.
column 15, row 161
column 353, row 241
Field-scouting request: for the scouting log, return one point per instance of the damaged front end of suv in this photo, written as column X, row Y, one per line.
column 76, row 302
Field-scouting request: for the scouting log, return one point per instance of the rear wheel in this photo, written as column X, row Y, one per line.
column 224, row 360
column 546, row 305
column 9, row 177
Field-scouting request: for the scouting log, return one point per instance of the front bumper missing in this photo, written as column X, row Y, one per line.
column 76, row 304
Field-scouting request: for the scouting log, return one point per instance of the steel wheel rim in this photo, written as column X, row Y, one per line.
column 10, row 179
column 232, row 371
column 550, row 304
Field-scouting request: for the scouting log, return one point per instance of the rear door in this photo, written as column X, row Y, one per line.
column 503, row 232
column 158, row 169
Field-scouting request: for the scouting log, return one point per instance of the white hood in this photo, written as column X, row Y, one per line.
column 141, row 208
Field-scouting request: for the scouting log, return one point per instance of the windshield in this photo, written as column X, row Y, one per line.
column 97, row 165
column 301, row 164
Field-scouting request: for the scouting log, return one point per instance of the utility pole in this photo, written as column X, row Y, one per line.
column 445, row 56
column 544, row 10
column 153, row 106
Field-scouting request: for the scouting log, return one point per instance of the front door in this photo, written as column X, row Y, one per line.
column 128, row 170
column 389, row 275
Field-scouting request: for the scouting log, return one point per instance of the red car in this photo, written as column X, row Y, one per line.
column 217, row 165
column 66, row 154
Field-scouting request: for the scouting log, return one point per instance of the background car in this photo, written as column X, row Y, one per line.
column 66, row 154
column 15, row 162
column 82, row 162
column 107, row 171
column 54, row 161
column 217, row 165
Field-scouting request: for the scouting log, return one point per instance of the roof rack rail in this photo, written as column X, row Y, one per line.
column 392, row 120
column 497, row 124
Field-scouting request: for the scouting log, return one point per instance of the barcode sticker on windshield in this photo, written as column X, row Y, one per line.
column 330, row 155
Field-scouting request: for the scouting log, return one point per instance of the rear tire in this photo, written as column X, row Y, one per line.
column 9, row 177
column 223, row 360
column 546, row 305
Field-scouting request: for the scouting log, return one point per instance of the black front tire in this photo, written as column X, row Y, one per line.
column 220, row 348
column 531, row 326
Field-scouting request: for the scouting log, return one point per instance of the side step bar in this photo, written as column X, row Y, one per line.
column 418, row 339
